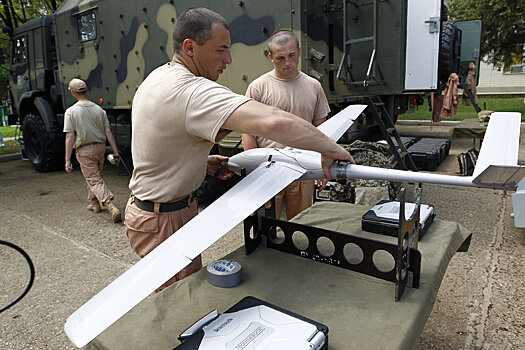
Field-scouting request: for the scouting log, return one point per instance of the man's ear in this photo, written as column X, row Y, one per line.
column 187, row 46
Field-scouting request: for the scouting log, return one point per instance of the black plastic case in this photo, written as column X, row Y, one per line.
column 371, row 222
column 428, row 153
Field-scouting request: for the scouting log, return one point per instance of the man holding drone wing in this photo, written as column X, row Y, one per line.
column 182, row 112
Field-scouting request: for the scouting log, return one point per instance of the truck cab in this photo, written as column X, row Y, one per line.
column 35, row 97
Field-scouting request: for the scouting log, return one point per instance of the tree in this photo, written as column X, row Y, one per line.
column 13, row 13
column 503, row 26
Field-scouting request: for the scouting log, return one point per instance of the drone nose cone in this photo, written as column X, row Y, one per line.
column 248, row 160
column 233, row 165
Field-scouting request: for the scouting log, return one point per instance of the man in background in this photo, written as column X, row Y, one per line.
column 293, row 91
column 87, row 127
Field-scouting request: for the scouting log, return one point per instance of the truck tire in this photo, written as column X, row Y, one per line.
column 44, row 150
column 448, row 57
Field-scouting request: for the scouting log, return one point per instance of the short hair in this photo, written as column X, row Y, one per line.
column 282, row 37
column 195, row 24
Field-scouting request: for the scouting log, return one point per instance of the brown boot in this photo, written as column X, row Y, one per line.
column 114, row 211
column 94, row 206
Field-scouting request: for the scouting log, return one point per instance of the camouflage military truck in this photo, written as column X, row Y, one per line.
column 395, row 50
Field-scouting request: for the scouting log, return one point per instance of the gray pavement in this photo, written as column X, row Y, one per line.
column 76, row 253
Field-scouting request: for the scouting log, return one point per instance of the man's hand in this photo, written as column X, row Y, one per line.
column 116, row 157
column 321, row 184
column 69, row 166
column 339, row 154
column 215, row 164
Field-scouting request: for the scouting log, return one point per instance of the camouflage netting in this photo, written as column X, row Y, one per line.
column 360, row 191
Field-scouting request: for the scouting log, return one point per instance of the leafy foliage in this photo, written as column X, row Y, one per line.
column 13, row 13
column 503, row 26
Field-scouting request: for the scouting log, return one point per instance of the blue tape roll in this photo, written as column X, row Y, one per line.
column 224, row 273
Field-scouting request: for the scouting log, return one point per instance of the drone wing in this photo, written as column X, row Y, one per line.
column 176, row 252
column 337, row 125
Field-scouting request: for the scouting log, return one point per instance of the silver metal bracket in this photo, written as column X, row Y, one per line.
column 433, row 24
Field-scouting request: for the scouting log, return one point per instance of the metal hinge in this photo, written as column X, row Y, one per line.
column 434, row 24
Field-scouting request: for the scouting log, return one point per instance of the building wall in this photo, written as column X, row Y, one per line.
column 494, row 81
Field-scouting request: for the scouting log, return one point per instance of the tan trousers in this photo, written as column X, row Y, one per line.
column 146, row 230
column 91, row 160
column 297, row 196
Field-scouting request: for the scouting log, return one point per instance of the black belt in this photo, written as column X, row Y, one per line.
column 90, row 143
column 165, row 207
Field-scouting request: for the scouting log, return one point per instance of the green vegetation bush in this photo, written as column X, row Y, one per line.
column 8, row 131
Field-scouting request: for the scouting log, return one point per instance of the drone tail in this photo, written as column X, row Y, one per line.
column 497, row 164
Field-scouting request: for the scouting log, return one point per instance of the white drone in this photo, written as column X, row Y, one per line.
column 268, row 172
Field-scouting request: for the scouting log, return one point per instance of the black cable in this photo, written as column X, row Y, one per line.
column 234, row 148
column 31, row 278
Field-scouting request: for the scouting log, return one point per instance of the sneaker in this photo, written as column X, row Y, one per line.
column 94, row 206
column 115, row 212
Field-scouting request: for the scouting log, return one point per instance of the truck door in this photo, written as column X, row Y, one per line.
column 422, row 44
column 470, row 46
column 19, row 78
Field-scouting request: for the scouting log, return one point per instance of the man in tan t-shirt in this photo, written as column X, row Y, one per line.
column 86, row 126
column 178, row 113
column 291, row 90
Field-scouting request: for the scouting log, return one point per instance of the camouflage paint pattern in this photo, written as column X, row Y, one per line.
column 133, row 37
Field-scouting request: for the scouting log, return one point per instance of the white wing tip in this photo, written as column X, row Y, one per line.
column 76, row 337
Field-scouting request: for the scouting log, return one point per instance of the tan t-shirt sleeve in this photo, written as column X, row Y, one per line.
column 106, row 121
column 209, row 106
column 322, row 108
column 253, row 92
column 69, row 125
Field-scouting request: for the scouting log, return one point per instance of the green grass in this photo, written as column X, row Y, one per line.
column 422, row 113
column 9, row 147
column 12, row 146
column 514, row 104
column 8, row 131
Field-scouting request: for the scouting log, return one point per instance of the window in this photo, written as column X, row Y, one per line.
column 87, row 27
column 19, row 50
column 518, row 63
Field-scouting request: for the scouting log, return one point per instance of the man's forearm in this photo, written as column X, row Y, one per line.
column 255, row 118
column 70, row 141
column 248, row 142
column 318, row 122
column 111, row 141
